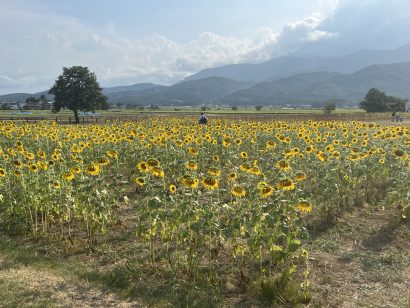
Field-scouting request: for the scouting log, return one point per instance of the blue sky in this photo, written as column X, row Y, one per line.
column 163, row 41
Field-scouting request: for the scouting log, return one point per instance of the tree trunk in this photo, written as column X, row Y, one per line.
column 77, row 118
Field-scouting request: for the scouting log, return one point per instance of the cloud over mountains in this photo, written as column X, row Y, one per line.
column 35, row 45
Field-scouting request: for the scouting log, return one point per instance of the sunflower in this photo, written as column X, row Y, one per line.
column 265, row 191
column 157, row 171
column 33, row 168
column 152, row 162
column 191, row 166
column 243, row 154
column 261, row 185
column 255, row 171
column 103, row 161
column 238, row 141
column 56, row 185
column 300, row 176
column 172, row 189
column 112, row 154
column 192, row 151
column 190, row 182
column 42, row 165
column 309, row 149
column 143, row 167
column 244, row 167
column 93, row 169
column 381, row 161
column 140, row 182
column 75, row 170
column 29, row 156
column 286, row 184
column 399, row 153
column 214, row 171
column 270, row 145
column 238, row 191
column 210, row 183
column 215, row 158
column 233, row 176
column 2, row 172
column 283, row 165
column 322, row 156
column 18, row 164
column 68, row 176
column 304, row 206
column 353, row 157
column 17, row 173
column 55, row 156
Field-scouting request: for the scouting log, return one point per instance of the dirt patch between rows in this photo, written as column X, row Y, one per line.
column 367, row 264
column 64, row 292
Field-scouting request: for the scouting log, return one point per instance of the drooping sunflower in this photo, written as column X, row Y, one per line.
column 75, row 170
column 270, row 145
column 244, row 167
column 322, row 156
column 214, row 171
column 353, row 157
column 103, row 161
column 300, row 176
column 189, row 181
column 283, row 165
column 42, row 165
column 56, row 185
column 157, row 171
column 112, row 154
column 152, row 162
column 399, row 153
column 238, row 191
column 18, row 164
column 261, row 185
column 286, row 184
column 266, row 191
column 140, row 182
column 33, row 168
column 304, row 206
column 210, row 183
column 193, row 151
column 191, row 166
column 68, row 176
column 215, row 158
column 93, row 169
column 42, row 154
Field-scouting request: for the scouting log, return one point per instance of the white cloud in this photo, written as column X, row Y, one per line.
column 35, row 46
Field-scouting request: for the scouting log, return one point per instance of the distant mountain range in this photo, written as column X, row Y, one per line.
column 287, row 66
column 287, row 80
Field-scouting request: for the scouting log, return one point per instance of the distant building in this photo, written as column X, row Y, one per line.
column 407, row 106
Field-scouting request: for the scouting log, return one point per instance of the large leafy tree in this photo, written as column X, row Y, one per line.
column 77, row 89
column 378, row 101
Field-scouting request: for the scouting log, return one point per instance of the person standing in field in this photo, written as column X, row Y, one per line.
column 202, row 119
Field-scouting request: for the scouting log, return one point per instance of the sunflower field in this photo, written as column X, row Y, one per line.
column 237, row 194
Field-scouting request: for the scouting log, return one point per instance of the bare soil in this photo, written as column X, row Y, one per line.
column 364, row 261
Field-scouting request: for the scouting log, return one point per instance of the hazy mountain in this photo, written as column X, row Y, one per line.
column 131, row 88
column 115, row 92
column 195, row 92
column 288, row 66
column 394, row 79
